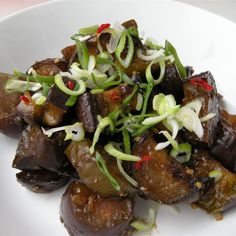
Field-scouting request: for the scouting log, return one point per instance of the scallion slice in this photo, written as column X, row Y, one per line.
column 126, row 141
column 103, row 123
column 60, row 84
column 145, row 225
column 41, row 100
column 121, row 46
column 83, row 53
column 183, row 153
column 109, row 148
column 88, row 30
column 127, row 177
column 216, row 174
column 170, row 50
column 102, row 166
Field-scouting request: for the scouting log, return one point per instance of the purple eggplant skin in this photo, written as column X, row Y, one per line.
column 210, row 104
column 35, row 151
column 172, row 83
column 161, row 178
column 10, row 123
column 224, row 149
column 84, row 212
column 89, row 172
column 41, row 181
column 222, row 194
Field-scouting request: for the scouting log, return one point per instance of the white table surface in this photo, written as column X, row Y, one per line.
column 225, row 8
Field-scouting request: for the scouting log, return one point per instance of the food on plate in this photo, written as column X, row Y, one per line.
column 118, row 117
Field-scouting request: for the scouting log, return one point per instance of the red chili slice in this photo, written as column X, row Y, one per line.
column 139, row 163
column 103, row 27
column 70, row 85
column 202, row 83
column 24, row 99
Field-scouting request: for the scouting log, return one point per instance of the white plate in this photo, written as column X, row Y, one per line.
column 203, row 40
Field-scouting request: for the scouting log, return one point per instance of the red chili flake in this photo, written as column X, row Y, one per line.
column 115, row 97
column 139, row 163
column 202, row 83
column 102, row 27
column 70, row 85
column 24, row 99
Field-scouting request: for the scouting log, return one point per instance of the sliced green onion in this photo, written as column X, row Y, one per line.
column 121, row 46
column 103, row 123
column 146, row 97
column 74, row 132
column 207, row 117
column 127, row 177
column 95, row 91
column 41, row 100
column 151, row 43
column 216, row 174
column 46, row 89
column 126, row 141
column 83, row 53
column 60, row 84
column 154, row 120
column 139, row 103
column 150, row 54
column 195, row 105
column 170, row 139
column 127, row 100
column 109, row 148
column 15, row 85
column 88, row 30
column 145, row 225
column 102, row 166
column 183, row 153
column 170, row 50
column 133, row 31
column 162, row 71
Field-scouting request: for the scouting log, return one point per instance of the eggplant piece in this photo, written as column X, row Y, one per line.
column 90, row 105
column 83, row 212
column 172, row 83
column 161, row 178
column 86, row 111
column 55, row 107
column 41, row 181
column 222, row 194
column 89, row 172
column 224, row 149
column 10, row 123
column 50, row 66
column 210, row 105
column 35, row 151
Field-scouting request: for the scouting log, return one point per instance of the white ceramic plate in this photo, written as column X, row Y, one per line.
column 203, row 40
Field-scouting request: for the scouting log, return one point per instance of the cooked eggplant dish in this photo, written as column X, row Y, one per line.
column 116, row 117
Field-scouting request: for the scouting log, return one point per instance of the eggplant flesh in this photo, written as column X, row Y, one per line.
column 222, row 194
column 10, row 123
column 161, row 178
column 89, row 172
column 35, row 151
column 41, row 181
column 84, row 212
column 210, row 104
column 224, row 149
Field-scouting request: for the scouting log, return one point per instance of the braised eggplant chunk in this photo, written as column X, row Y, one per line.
column 224, row 149
column 36, row 150
column 55, row 107
column 41, row 181
column 222, row 195
column 161, row 178
column 91, row 175
column 202, row 87
column 172, row 83
column 89, row 106
column 83, row 212
column 50, row 66
column 10, row 122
